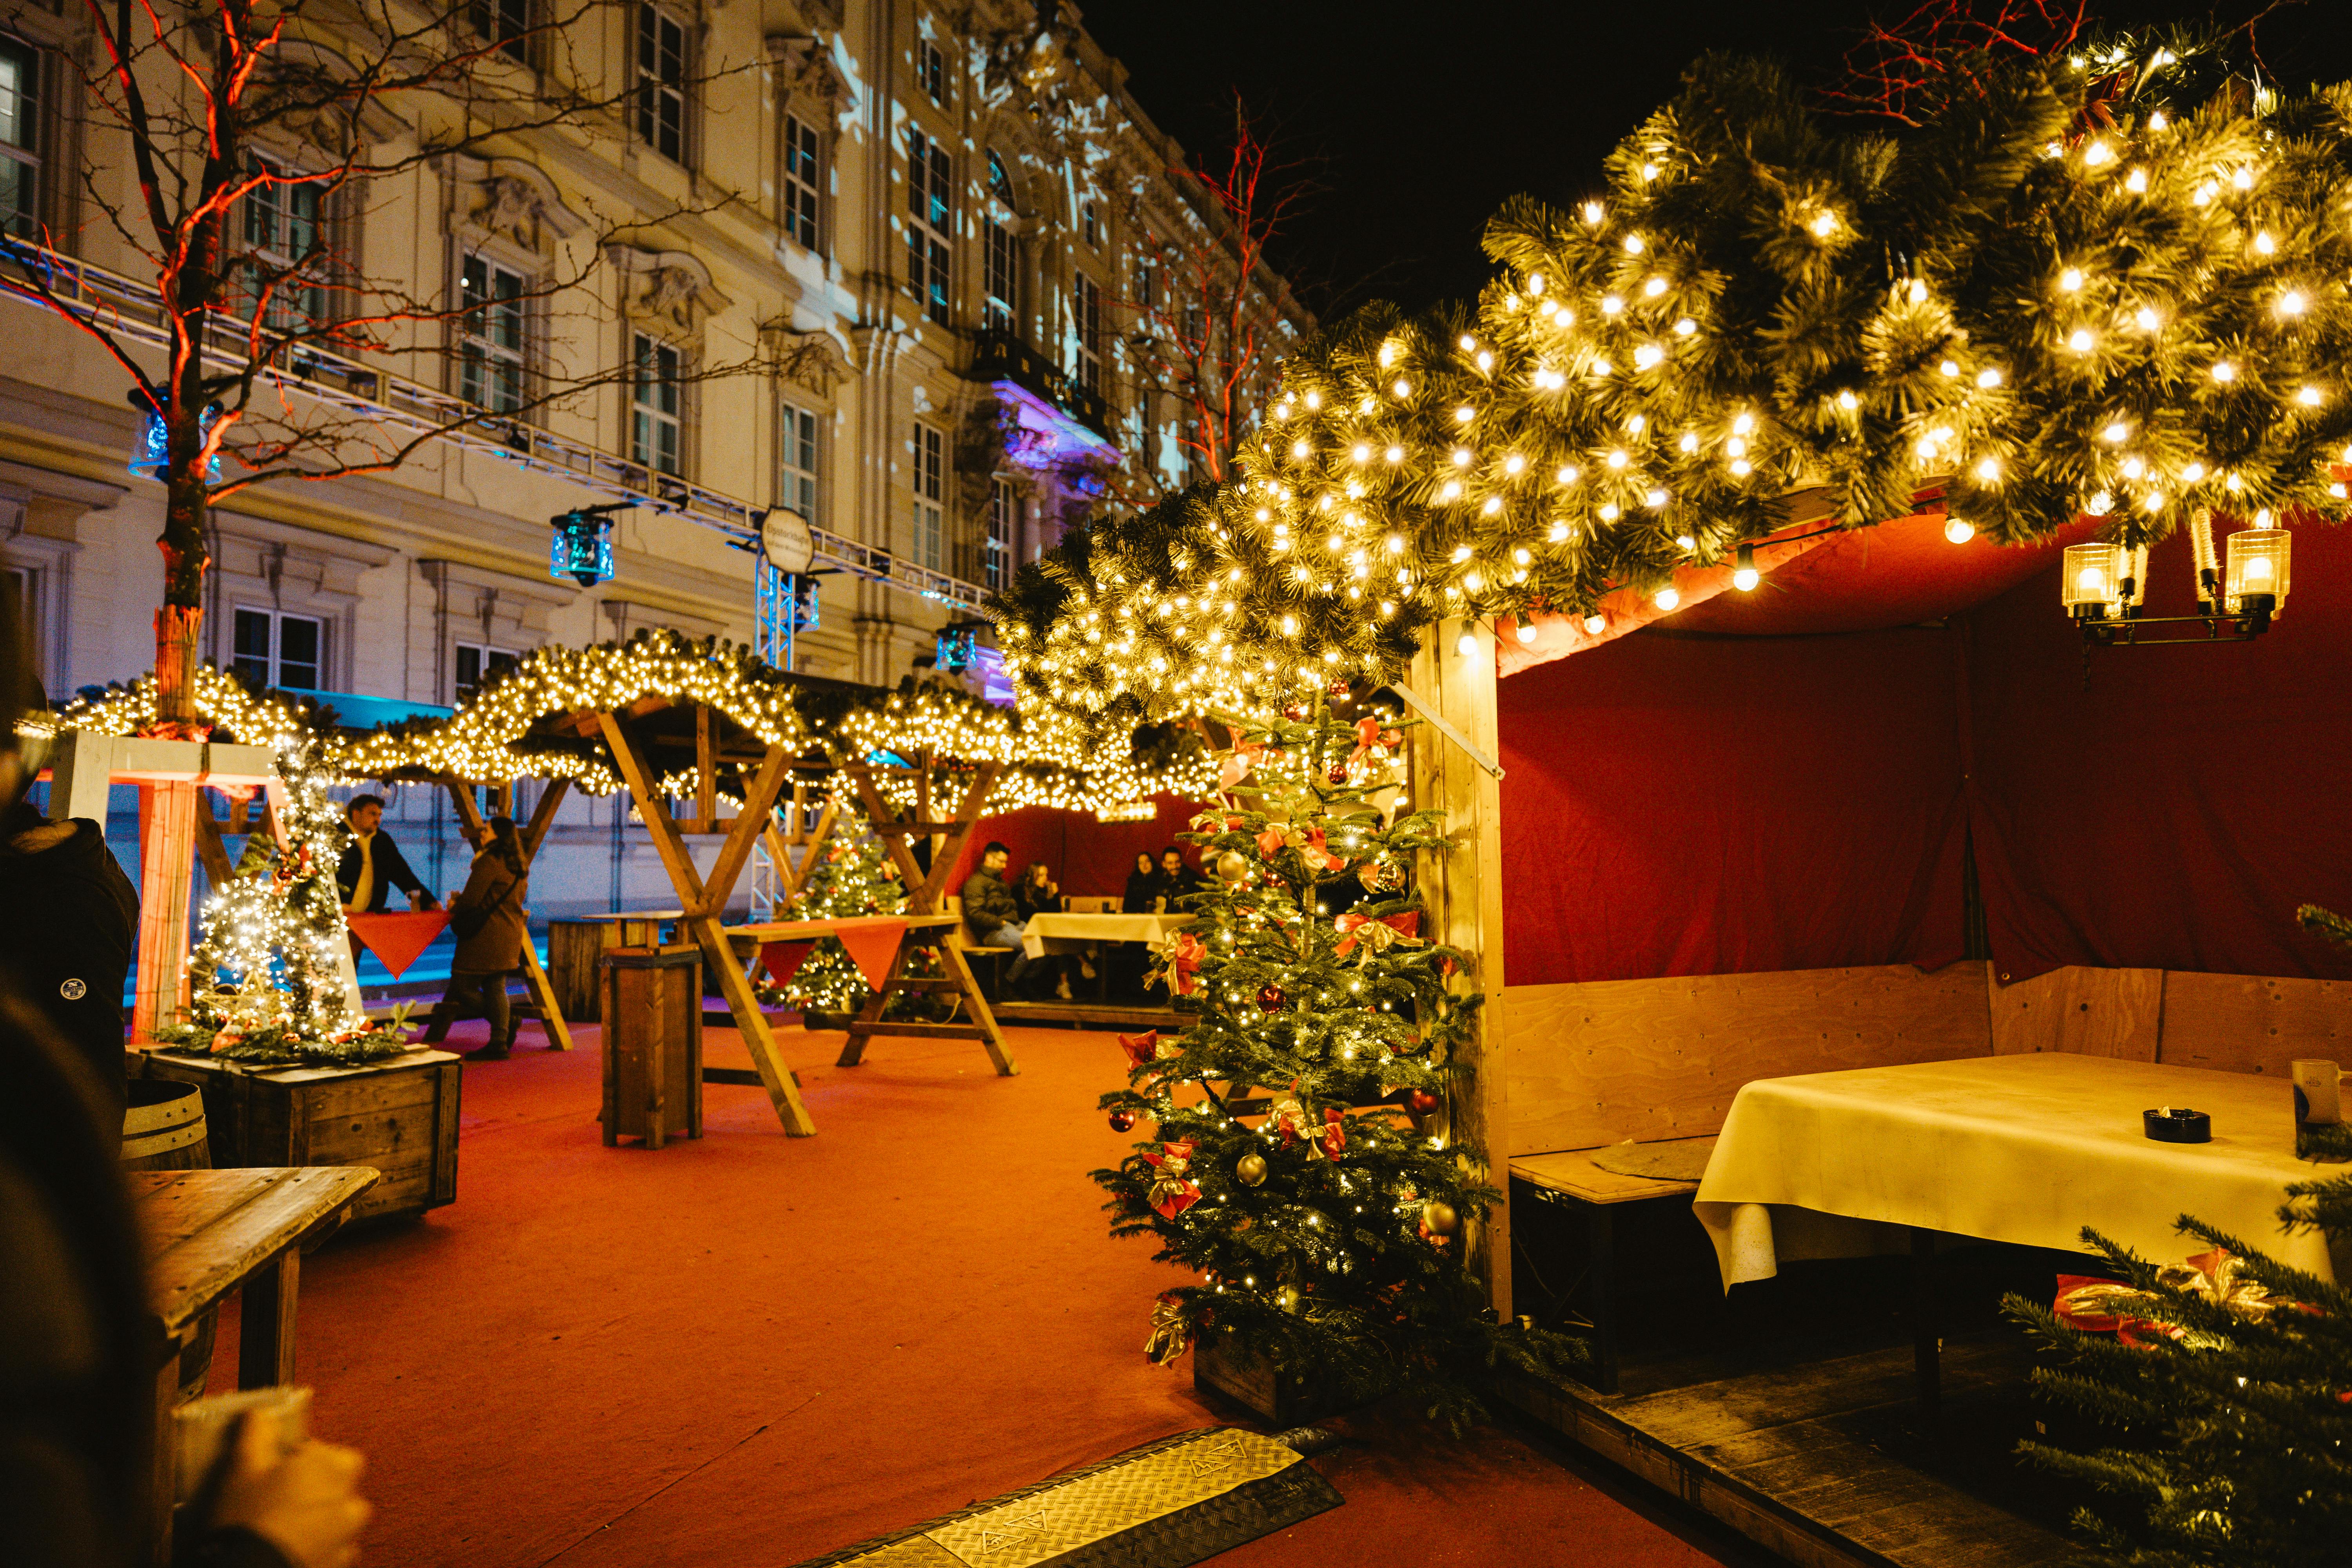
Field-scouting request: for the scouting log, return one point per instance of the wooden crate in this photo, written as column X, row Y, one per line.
column 653, row 1043
column 398, row 1116
column 1220, row 1367
column 574, row 950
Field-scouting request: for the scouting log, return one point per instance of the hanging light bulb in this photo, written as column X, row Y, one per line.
column 1745, row 576
column 1595, row 623
column 1959, row 529
column 1526, row 631
column 1668, row 598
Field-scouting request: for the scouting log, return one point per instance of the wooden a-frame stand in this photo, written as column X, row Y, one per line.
column 924, row 890
column 542, row 817
column 704, row 899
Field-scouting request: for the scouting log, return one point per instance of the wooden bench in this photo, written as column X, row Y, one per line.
column 1652, row 1062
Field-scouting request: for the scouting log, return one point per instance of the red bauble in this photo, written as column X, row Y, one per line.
column 1339, row 773
column 1419, row 1101
column 1294, row 712
column 1122, row 1120
column 1270, row 999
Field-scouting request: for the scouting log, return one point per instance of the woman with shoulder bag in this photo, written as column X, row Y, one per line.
column 491, row 928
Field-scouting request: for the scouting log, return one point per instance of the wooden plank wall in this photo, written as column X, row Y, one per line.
column 1603, row 1061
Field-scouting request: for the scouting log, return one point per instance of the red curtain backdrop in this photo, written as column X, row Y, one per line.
column 1681, row 804
column 2165, row 807
column 1706, row 806
column 1090, row 857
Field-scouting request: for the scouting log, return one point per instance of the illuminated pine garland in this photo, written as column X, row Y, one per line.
column 2133, row 324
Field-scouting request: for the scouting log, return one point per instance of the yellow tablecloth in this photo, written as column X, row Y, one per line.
column 1069, row 932
column 2026, row 1149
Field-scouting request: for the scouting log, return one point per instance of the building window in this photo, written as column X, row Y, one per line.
column 506, row 24
column 1092, row 221
column 796, row 481
column 801, row 186
column 1003, row 513
column 931, row 207
column 661, row 82
column 1147, row 285
column 931, row 72
column 490, row 367
column 931, row 488
column 274, row 648
column 20, row 119
column 477, row 664
column 999, row 182
column 1086, row 302
column 285, row 247
column 656, row 421
column 1003, row 267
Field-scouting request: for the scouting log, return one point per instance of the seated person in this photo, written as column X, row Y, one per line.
column 1142, row 886
column 992, row 916
column 1039, row 894
column 1178, row 882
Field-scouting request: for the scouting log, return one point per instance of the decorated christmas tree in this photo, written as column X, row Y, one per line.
column 851, row 880
column 1297, row 1161
column 2226, row 1401
column 266, row 979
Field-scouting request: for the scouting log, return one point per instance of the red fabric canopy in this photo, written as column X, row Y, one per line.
column 1685, row 801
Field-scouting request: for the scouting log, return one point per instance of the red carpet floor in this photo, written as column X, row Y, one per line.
column 750, row 1349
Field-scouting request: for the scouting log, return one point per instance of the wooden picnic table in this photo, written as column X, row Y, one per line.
column 207, row 1233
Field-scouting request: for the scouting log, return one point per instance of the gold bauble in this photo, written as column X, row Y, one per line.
column 1440, row 1217
column 1233, row 866
column 1251, row 1169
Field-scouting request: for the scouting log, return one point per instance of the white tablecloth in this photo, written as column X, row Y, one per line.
column 1069, row 934
column 2026, row 1149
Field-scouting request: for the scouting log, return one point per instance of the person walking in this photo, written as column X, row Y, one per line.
column 372, row 864
column 491, row 928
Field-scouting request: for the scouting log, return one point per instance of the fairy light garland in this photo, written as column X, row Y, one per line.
column 2146, row 320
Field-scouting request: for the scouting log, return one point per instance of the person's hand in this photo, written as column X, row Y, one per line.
column 306, row 1503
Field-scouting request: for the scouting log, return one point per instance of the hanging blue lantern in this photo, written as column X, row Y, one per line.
column 153, row 454
column 956, row 648
column 581, row 548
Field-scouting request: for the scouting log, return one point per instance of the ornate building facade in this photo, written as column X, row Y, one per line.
column 927, row 229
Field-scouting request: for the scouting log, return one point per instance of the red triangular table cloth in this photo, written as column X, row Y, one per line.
column 397, row 939
column 872, row 942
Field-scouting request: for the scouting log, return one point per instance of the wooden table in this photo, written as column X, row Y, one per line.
column 1071, row 932
column 639, row 928
column 909, row 934
column 207, row 1233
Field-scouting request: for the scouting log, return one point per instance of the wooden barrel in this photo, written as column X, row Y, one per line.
column 163, row 1127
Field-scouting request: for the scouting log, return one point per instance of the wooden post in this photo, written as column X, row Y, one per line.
column 167, row 863
column 1464, row 891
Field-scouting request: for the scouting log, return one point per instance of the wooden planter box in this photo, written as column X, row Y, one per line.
column 574, row 947
column 398, row 1116
column 653, row 1044
column 1219, row 1366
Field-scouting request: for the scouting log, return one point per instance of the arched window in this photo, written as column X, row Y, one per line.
column 1001, row 253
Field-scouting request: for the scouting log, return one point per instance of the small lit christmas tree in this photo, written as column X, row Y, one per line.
column 852, row 879
column 266, row 981
column 1296, row 1161
column 2231, row 1404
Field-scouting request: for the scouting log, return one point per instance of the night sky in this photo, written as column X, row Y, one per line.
column 1417, row 121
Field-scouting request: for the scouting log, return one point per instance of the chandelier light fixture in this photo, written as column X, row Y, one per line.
column 2104, row 584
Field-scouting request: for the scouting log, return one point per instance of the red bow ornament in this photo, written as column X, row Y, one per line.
column 1287, row 1116
column 1334, row 1142
column 1377, row 935
column 1146, row 1049
column 1315, row 855
column 1169, row 1334
column 1172, row 1190
column 1180, row 957
column 1369, row 738
column 1237, row 762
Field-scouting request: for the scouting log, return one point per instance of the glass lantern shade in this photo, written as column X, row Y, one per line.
column 582, row 549
column 2260, row 564
column 2090, row 584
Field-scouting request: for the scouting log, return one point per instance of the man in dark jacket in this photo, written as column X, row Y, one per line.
column 991, row 917
column 373, row 866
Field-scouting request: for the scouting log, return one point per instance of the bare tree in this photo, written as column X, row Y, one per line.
column 249, row 127
column 1206, row 310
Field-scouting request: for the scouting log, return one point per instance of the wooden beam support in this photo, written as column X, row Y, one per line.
column 706, row 772
column 1462, row 888
column 469, row 810
column 210, row 849
column 542, row 817
column 878, row 814
column 947, row 850
column 759, row 809
column 542, row 991
column 784, row 1092
column 631, row 761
